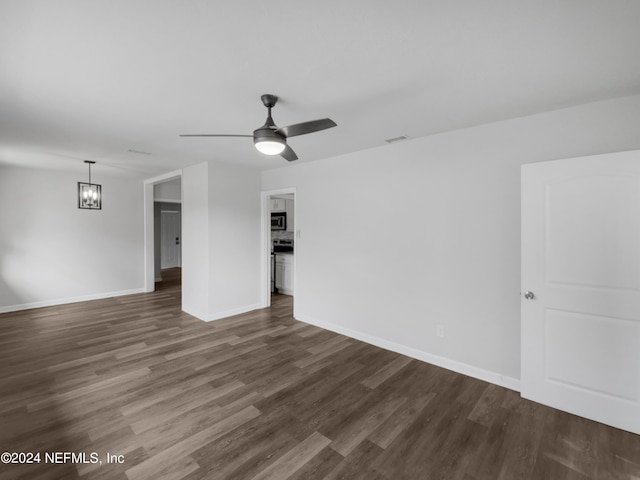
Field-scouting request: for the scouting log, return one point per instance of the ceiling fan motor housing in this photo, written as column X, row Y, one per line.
column 267, row 134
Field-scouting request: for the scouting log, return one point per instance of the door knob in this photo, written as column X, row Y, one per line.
column 529, row 295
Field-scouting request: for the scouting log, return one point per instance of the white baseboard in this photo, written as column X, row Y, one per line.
column 194, row 313
column 211, row 316
column 453, row 365
column 64, row 301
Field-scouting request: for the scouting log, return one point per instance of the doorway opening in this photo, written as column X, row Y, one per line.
column 163, row 231
column 167, row 234
column 279, row 244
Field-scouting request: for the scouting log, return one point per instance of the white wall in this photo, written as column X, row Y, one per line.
column 195, row 240
column 169, row 191
column 51, row 252
column 221, row 240
column 234, row 234
column 399, row 239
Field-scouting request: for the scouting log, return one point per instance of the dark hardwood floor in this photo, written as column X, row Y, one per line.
column 262, row 396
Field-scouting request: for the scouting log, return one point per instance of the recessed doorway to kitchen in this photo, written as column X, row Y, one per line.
column 281, row 243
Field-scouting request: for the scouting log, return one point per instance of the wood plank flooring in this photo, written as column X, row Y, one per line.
column 261, row 396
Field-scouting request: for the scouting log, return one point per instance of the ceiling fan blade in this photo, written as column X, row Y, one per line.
column 288, row 154
column 212, row 135
column 306, row 127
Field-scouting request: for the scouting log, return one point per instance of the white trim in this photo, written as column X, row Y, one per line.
column 164, row 177
column 209, row 317
column 64, row 301
column 167, row 200
column 194, row 313
column 453, row 365
column 148, row 222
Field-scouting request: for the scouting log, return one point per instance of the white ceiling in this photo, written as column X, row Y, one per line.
column 94, row 79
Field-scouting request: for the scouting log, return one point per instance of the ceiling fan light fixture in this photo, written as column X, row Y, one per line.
column 269, row 147
column 268, row 141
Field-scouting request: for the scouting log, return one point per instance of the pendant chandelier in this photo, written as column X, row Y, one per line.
column 89, row 194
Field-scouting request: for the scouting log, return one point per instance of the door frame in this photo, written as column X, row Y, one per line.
column 149, row 247
column 265, row 245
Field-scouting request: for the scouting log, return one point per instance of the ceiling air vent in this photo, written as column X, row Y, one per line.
column 401, row 138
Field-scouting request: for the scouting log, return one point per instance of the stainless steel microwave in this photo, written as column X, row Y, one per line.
column 279, row 221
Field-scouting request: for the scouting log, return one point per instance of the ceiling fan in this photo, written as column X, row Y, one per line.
column 271, row 140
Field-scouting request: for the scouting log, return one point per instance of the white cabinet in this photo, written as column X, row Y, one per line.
column 284, row 273
column 279, row 275
column 278, row 204
column 284, row 205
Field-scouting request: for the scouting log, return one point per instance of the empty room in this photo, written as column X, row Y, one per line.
column 319, row 240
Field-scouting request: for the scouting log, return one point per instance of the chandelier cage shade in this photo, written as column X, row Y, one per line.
column 89, row 194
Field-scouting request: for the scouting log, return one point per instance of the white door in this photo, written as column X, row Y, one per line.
column 581, row 262
column 170, row 239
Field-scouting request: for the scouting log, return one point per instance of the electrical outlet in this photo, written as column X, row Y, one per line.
column 440, row 331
